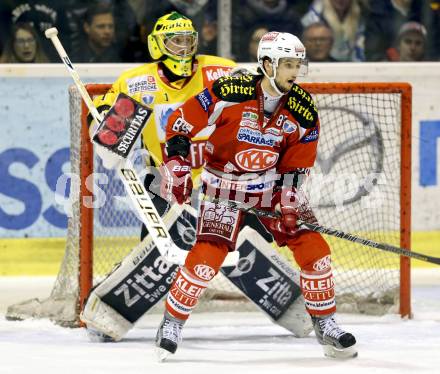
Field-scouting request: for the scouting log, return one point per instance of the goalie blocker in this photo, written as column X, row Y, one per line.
column 119, row 129
column 144, row 277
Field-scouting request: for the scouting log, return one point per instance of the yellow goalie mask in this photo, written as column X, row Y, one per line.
column 174, row 40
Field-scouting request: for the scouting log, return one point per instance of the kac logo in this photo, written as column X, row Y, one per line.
column 204, row 272
column 256, row 159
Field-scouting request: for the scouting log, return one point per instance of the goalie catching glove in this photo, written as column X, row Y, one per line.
column 119, row 129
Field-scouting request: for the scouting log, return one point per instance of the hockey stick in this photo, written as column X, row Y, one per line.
column 134, row 187
column 328, row 231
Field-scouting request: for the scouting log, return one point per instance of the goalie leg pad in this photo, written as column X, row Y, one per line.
column 103, row 321
column 132, row 289
column 138, row 283
column 269, row 282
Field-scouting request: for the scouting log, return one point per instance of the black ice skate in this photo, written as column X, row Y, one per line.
column 336, row 342
column 168, row 336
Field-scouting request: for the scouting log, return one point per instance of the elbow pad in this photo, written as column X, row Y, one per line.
column 178, row 146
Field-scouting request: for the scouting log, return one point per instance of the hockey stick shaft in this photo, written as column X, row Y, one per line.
column 370, row 243
column 332, row 232
column 52, row 34
column 134, row 187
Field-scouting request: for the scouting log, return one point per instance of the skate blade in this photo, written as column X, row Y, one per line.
column 161, row 354
column 340, row 354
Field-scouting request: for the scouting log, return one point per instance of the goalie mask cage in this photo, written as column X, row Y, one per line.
column 361, row 184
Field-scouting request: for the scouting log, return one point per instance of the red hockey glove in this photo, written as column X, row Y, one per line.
column 292, row 207
column 176, row 182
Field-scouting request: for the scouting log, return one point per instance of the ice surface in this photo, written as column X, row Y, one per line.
column 233, row 343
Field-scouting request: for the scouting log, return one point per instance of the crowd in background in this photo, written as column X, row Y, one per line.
column 116, row 30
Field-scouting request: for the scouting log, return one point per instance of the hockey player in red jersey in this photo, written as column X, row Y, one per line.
column 264, row 135
column 178, row 74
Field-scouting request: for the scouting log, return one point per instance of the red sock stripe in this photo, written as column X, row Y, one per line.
column 318, row 291
column 184, row 294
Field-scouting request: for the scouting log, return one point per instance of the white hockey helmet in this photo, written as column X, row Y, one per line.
column 275, row 45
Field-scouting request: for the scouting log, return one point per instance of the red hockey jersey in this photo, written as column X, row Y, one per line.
column 242, row 139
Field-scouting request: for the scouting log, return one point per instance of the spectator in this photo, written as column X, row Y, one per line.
column 41, row 14
column 24, row 46
column 99, row 46
column 318, row 40
column 382, row 23
column 345, row 19
column 256, row 35
column 428, row 14
column 127, row 30
column 273, row 14
column 411, row 43
column 208, row 36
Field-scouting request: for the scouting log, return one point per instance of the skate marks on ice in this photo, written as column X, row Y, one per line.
column 385, row 346
column 214, row 343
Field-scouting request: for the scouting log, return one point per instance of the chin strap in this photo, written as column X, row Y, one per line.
column 272, row 79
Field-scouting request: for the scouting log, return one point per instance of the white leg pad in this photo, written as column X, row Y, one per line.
column 100, row 316
column 296, row 319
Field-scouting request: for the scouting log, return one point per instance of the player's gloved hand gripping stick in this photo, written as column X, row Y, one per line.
column 127, row 117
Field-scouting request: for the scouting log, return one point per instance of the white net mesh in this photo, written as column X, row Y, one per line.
column 355, row 187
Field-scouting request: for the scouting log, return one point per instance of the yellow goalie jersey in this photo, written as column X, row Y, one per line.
column 148, row 85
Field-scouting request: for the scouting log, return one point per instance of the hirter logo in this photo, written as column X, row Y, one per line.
column 213, row 73
column 256, row 159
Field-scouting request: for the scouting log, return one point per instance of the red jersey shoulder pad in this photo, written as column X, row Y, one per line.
column 302, row 107
column 236, row 89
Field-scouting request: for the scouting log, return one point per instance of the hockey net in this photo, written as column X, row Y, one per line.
column 361, row 185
